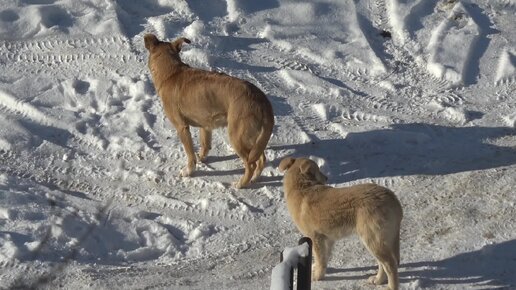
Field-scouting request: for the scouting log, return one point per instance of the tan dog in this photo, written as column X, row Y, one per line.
column 209, row 100
column 326, row 214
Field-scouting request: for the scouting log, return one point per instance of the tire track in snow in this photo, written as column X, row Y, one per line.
column 59, row 177
column 262, row 271
column 53, row 45
column 333, row 72
column 506, row 91
column 449, row 98
column 49, row 55
column 380, row 19
column 11, row 269
column 300, row 61
column 289, row 63
column 9, row 104
column 254, row 242
column 14, row 264
column 377, row 102
column 201, row 263
column 95, row 277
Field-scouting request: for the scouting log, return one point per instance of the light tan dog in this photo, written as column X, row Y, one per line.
column 209, row 100
column 326, row 214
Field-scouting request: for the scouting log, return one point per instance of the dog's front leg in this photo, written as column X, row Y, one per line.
column 186, row 138
column 321, row 255
column 205, row 136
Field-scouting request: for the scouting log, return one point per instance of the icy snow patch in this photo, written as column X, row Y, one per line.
column 197, row 57
column 5, row 213
column 233, row 10
column 452, row 114
column 510, row 120
column 506, row 65
column 194, row 30
column 8, row 249
column 397, row 12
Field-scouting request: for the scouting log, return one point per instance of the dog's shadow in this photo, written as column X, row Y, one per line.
column 209, row 168
column 335, row 274
column 402, row 150
column 409, row 149
column 273, row 181
column 491, row 267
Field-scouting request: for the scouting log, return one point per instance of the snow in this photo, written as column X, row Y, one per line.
column 415, row 95
column 506, row 65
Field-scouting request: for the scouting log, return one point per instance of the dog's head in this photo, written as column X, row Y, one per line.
column 155, row 46
column 304, row 167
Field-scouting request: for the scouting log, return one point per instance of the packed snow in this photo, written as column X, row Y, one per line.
column 415, row 95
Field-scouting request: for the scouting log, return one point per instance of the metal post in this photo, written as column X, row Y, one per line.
column 304, row 268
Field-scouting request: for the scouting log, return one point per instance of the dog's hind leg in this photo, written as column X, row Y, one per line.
column 239, row 136
column 383, row 250
column 205, row 136
column 380, row 277
column 249, row 167
column 260, row 164
column 392, row 262
column 246, row 178
column 390, row 266
column 370, row 237
column 397, row 245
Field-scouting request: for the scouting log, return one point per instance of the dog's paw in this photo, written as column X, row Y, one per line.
column 317, row 274
column 186, row 172
column 201, row 158
column 236, row 185
column 375, row 281
column 254, row 178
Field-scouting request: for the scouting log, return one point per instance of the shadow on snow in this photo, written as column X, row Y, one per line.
column 409, row 149
column 490, row 267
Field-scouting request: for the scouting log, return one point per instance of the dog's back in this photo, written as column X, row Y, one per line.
column 340, row 211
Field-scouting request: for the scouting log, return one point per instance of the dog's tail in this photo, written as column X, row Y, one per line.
column 397, row 238
column 265, row 133
column 397, row 247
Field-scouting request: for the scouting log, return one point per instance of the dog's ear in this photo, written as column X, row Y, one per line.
column 286, row 163
column 305, row 168
column 311, row 170
column 150, row 41
column 178, row 43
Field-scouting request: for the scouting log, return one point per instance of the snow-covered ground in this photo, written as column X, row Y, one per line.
column 416, row 95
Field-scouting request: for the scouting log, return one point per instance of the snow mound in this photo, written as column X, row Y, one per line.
column 53, row 228
column 510, row 120
column 506, row 68
column 451, row 44
column 339, row 39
